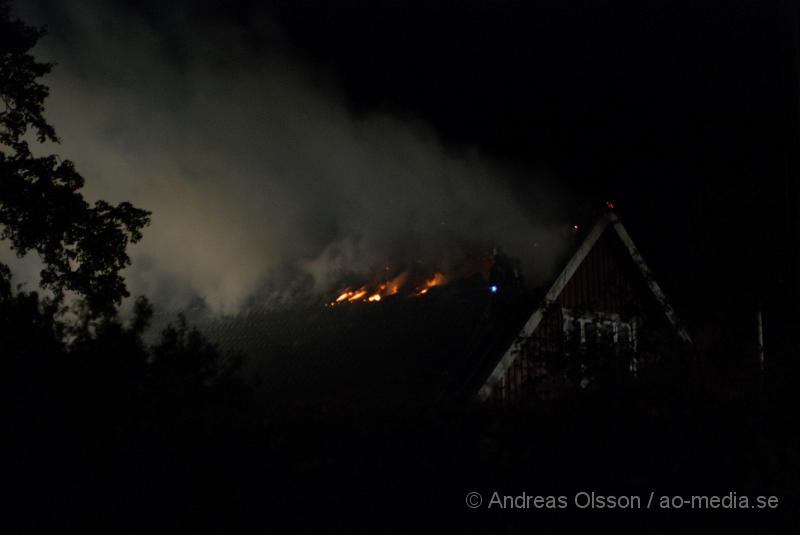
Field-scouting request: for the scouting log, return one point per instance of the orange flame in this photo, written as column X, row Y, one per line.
column 394, row 285
column 343, row 296
column 437, row 280
column 372, row 294
column 358, row 295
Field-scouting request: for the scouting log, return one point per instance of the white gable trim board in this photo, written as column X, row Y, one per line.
column 560, row 283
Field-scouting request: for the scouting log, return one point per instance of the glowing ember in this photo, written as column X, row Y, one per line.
column 437, row 280
column 358, row 295
column 373, row 293
column 394, row 285
column 343, row 296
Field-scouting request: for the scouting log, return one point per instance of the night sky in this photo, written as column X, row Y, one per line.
column 530, row 114
column 684, row 114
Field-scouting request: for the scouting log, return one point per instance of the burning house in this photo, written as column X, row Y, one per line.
column 452, row 340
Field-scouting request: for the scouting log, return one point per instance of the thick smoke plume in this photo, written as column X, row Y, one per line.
column 262, row 182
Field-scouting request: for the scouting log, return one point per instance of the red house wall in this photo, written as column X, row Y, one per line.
column 607, row 281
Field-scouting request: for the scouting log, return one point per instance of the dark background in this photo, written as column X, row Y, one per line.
column 684, row 114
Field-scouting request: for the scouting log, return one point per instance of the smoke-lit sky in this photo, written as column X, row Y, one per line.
column 282, row 144
column 260, row 176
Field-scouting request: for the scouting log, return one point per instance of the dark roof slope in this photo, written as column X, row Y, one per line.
column 400, row 351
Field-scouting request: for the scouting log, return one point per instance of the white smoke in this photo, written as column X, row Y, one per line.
column 254, row 167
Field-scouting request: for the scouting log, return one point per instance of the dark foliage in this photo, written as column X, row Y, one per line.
column 82, row 246
column 83, row 400
column 107, row 433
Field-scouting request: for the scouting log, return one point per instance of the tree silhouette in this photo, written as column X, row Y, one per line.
column 83, row 246
column 83, row 393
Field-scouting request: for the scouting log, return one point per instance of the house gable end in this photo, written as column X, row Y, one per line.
column 589, row 272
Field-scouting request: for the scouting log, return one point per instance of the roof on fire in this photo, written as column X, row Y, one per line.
column 446, row 347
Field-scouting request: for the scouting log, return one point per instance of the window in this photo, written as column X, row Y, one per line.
column 598, row 329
